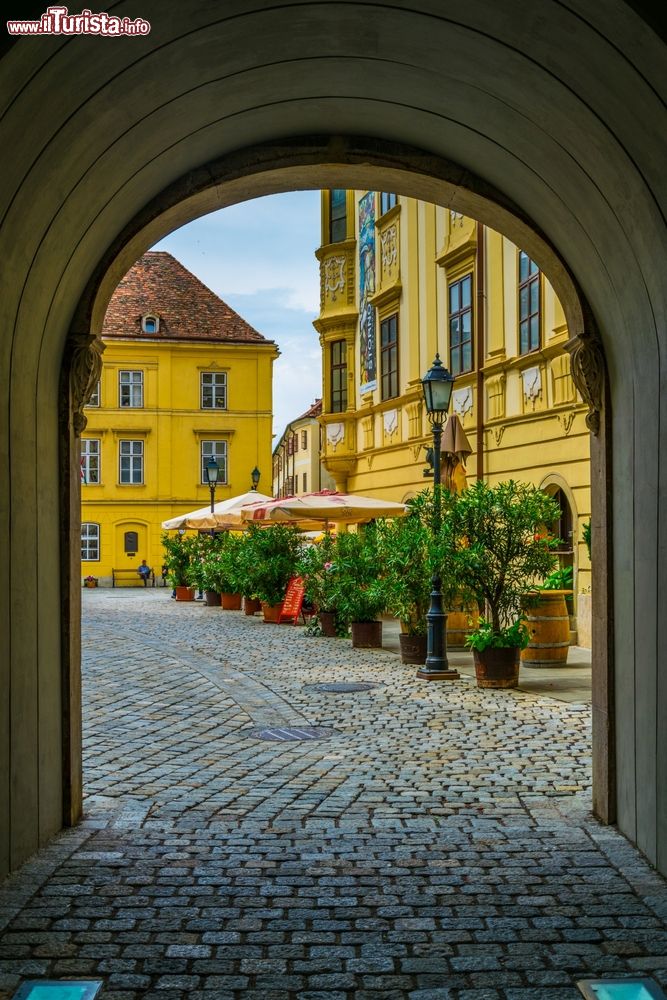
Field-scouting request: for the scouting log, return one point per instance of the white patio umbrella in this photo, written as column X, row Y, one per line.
column 226, row 514
column 326, row 506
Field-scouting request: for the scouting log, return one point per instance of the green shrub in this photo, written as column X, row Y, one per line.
column 270, row 559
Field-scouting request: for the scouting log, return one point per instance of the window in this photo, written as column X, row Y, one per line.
column 90, row 461
column 338, row 376
column 337, row 215
column 131, row 388
column 214, row 390
column 95, row 397
column 389, row 356
column 90, row 541
column 295, row 438
column 460, row 325
column 305, row 482
column 150, row 324
column 218, row 451
column 304, row 439
column 387, row 201
column 131, row 455
column 529, row 304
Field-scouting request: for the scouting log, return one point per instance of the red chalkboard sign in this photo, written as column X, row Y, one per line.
column 293, row 600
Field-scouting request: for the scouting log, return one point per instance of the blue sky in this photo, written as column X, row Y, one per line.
column 259, row 257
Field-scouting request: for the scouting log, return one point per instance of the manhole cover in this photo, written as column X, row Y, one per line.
column 343, row 688
column 283, row 734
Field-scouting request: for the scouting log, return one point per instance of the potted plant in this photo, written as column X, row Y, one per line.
column 228, row 572
column 203, row 552
column 270, row 559
column 90, row 581
column 547, row 620
column 359, row 594
column 406, row 546
column 496, row 547
column 177, row 558
column 317, row 568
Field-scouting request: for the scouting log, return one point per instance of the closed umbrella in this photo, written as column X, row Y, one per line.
column 455, row 449
column 325, row 506
column 226, row 514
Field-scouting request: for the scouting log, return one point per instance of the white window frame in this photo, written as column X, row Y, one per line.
column 150, row 318
column 135, row 453
column 88, row 539
column 135, row 384
column 211, row 380
column 220, row 451
column 95, row 395
column 91, row 448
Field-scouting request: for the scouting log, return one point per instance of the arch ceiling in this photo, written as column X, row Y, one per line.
column 549, row 117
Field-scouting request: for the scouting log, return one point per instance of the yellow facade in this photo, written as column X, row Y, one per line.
column 297, row 461
column 394, row 274
column 171, row 429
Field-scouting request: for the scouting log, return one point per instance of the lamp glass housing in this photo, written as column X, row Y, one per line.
column 437, row 385
column 254, row 475
column 212, row 470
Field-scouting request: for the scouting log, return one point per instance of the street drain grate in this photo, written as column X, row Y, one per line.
column 345, row 688
column 291, row 734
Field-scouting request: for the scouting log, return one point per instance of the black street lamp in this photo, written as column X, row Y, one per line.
column 212, row 471
column 254, row 475
column 437, row 384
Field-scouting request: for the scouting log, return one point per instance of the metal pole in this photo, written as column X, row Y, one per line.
column 211, row 486
column 436, row 667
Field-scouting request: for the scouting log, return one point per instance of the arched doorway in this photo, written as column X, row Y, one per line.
column 503, row 118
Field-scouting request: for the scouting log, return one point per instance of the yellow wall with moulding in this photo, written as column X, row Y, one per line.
column 172, row 425
column 535, row 436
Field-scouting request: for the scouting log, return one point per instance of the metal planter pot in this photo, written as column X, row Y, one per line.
column 367, row 635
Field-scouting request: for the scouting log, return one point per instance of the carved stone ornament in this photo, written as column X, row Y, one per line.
column 566, row 420
column 462, row 401
column 390, row 419
column 389, row 247
column 334, row 276
column 498, row 434
column 85, row 371
column 588, row 372
column 532, row 383
column 335, row 434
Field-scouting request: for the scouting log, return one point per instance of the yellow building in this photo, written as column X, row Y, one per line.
column 401, row 280
column 297, row 460
column 184, row 379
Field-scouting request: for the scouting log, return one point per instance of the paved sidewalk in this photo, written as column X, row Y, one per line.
column 437, row 846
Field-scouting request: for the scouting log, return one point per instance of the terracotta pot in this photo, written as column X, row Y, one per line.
column 185, row 594
column 212, row 598
column 548, row 624
column 251, row 606
column 328, row 623
column 272, row 612
column 231, row 602
column 497, row 668
column 413, row 648
column 90, row 584
column 367, row 635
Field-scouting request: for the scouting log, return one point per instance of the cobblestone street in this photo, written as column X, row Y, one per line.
column 437, row 845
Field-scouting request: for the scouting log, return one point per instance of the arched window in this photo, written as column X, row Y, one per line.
column 563, row 527
column 150, row 323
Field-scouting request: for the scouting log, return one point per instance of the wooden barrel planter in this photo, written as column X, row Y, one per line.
column 460, row 623
column 413, row 648
column 367, row 635
column 327, row 621
column 231, row 602
column 185, row 594
column 497, row 667
column 251, row 606
column 212, row 598
column 548, row 624
column 272, row 612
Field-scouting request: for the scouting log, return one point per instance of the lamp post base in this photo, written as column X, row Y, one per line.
column 438, row 675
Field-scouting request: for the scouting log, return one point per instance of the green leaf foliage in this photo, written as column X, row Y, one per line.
column 270, row 557
column 498, row 546
column 359, row 589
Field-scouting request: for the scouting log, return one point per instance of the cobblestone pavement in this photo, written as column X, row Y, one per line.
column 437, row 846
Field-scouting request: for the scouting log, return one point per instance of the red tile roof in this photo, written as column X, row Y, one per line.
column 159, row 285
column 314, row 411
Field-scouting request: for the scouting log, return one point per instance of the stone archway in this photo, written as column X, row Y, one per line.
column 553, row 118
